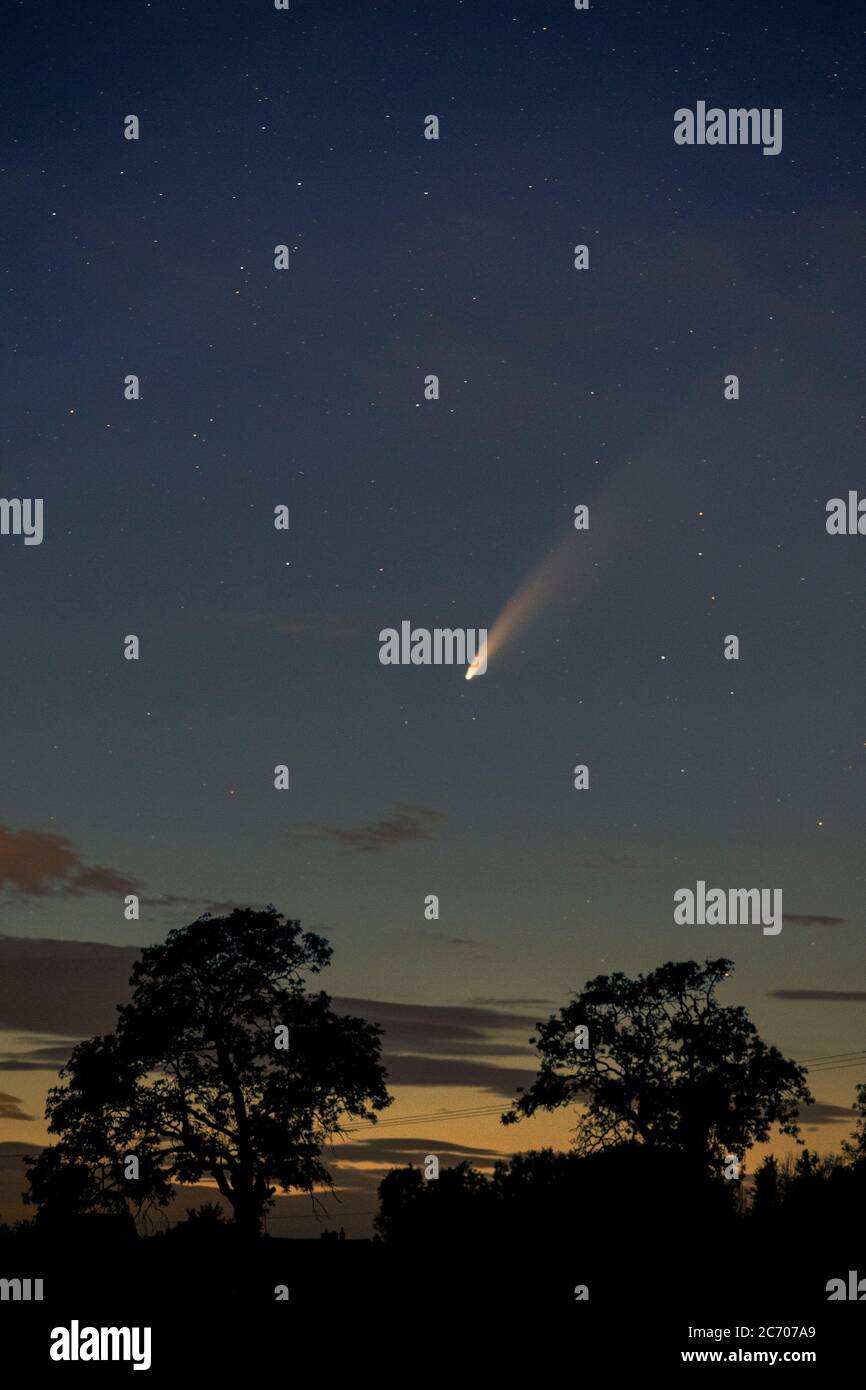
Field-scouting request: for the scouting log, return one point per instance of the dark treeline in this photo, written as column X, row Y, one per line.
column 547, row 1197
column 626, row 1227
column 224, row 1067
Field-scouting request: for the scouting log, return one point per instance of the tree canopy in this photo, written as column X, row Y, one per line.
column 192, row 1082
column 665, row 1065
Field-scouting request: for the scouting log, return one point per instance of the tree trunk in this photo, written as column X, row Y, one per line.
column 247, row 1212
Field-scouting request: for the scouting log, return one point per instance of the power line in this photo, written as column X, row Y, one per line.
column 469, row 1113
column 481, row 1112
column 819, row 1071
column 310, row 1216
column 478, row 1112
column 858, row 1052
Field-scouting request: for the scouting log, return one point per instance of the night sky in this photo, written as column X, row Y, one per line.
column 558, row 387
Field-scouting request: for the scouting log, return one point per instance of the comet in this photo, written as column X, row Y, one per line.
column 630, row 509
column 550, row 577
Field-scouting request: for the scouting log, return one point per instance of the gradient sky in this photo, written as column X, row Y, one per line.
column 305, row 387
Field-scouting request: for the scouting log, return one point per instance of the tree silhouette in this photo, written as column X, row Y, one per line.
column 193, row 1084
column 768, row 1189
column 453, row 1208
column 624, row 1196
column 666, row 1065
column 854, row 1148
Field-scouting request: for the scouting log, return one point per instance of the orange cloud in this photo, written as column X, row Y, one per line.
column 38, row 864
column 10, row 1108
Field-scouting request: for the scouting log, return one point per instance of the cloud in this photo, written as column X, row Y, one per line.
column 406, row 1070
column 437, row 939
column 10, row 1108
column 38, row 864
column 38, row 1058
column 73, row 988
column 41, row 864
column 389, row 1152
column 513, row 1003
column 70, row 987
column 824, row 1113
column 458, row 1036
column 811, row 919
column 832, row 996
column 406, row 825
column 435, row 1027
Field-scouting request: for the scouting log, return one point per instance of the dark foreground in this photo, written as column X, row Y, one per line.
column 403, row 1314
